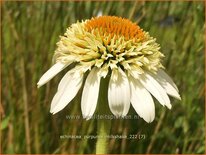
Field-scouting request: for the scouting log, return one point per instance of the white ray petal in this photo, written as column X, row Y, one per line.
column 167, row 85
column 141, row 100
column 99, row 13
column 90, row 94
column 119, row 93
column 164, row 75
column 155, row 89
column 66, row 79
column 66, row 92
column 54, row 70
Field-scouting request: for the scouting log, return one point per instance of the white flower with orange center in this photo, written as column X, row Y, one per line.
column 109, row 46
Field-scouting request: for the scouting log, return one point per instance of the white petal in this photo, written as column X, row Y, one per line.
column 155, row 89
column 99, row 13
column 141, row 100
column 164, row 75
column 54, row 70
column 90, row 94
column 65, row 80
column 68, row 89
column 119, row 93
column 167, row 85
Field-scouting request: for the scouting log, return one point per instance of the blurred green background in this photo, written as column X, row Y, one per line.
column 30, row 31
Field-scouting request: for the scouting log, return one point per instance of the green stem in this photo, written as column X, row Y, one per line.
column 103, row 124
column 103, row 130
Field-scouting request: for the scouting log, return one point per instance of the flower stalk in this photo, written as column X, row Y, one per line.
column 103, row 130
column 103, row 125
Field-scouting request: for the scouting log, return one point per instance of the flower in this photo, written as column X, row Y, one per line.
column 110, row 45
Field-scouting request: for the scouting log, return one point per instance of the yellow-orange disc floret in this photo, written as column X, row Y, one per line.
column 109, row 42
column 111, row 25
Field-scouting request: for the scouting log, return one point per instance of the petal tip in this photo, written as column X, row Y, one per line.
column 149, row 120
column 179, row 98
column 51, row 111
column 169, row 106
column 38, row 85
column 86, row 117
column 54, row 112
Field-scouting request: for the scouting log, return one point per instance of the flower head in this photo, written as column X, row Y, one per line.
column 109, row 45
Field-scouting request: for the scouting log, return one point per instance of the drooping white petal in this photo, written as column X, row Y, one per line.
column 119, row 93
column 155, row 89
column 90, row 94
column 66, row 79
column 54, row 70
column 141, row 100
column 164, row 75
column 99, row 13
column 67, row 90
column 169, row 86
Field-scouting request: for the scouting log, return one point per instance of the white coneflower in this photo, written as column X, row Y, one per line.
column 109, row 45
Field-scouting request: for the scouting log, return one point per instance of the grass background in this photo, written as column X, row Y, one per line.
column 30, row 31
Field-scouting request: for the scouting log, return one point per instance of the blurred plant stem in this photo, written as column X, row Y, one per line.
column 103, row 124
column 103, row 130
column 26, row 113
column 157, row 128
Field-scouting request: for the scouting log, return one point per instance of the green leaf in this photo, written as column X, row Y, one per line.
column 5, row 123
